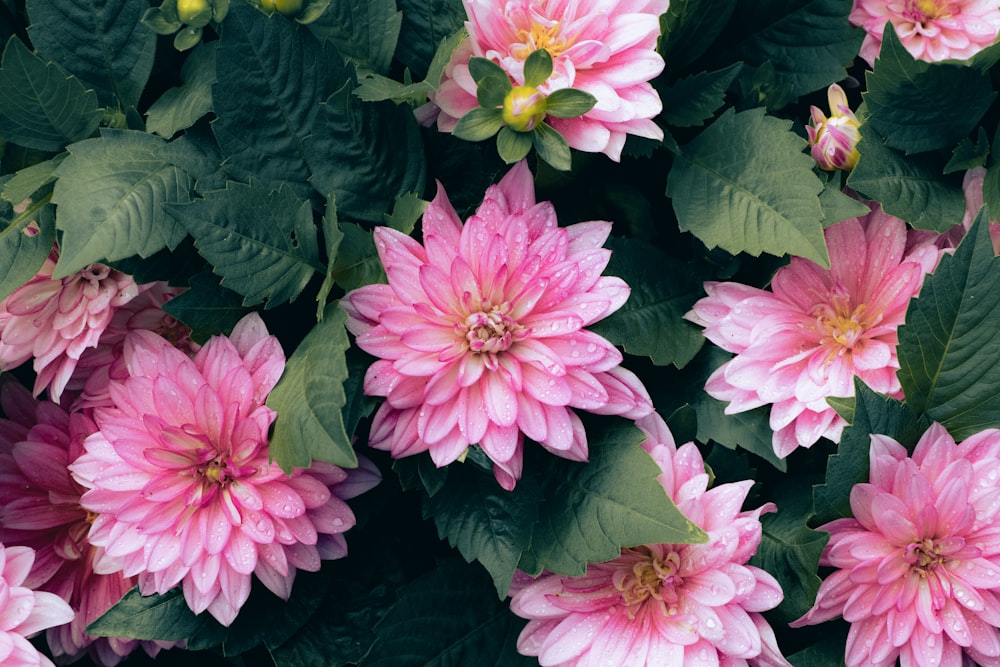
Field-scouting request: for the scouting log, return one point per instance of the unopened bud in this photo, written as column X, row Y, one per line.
column 524, row 108
column 833, row 141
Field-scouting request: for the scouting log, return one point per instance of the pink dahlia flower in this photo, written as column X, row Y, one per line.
column 55, row 321
column 816, row 329
column 917, row 566
column 179, row 477
column 24, row 612
column 931, row 30
column 604, row 47
column 40, row 508
column 663, row 604
column 480, row 332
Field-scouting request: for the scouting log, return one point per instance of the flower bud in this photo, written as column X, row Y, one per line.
column 523, row 108
column 194, row 12
column 833, row 141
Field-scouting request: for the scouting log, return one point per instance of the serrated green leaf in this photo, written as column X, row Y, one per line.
column 418, row 473
column 873, row 413
column 357, row 262
column 21, row 255
column 513, row 146
column 333, row 236
column 425, row 24
column 102, row 42
column 569, row 103
column 180, row 107
column 691, row 101
column 27, row 181
column 110, row 197
column 918, row 106
column 485, row 522
column 689, row 28
column 594, row 509
column 909, row 187
column 745, row 185
column 406, row 212
column 309, row 399
column 968, row 155
column 364, row 31
column 41, row 107
column 262, row 242
column 152, row 617
column 551, row 147
column 949, row 347
column 651, row 322
column 843, row 405
column 789, row 550
column 479, row 124
column 206, row 307
column 447, row 618
column 836, row 205
column 537, row 67
column 378, row 88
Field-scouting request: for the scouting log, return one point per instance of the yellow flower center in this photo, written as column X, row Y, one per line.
column 649, row 577
column 217, row 472
column 540, row 36
column 841, row 323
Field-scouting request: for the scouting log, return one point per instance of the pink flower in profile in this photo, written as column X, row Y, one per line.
column 816, row 329
column 663, row 604
column 180, row 479
column 930, row 30
column 917, row 566
column 24, row 612
column 40, row 508
column 604, row 47
column 55, row 320
column 480, row 332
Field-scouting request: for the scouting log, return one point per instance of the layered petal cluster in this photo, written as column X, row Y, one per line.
column 918, row 565
column 40, row 508
column 663, row 604
column 179, row 477
column 816, row 329
column 604, row 47
column 480, row 332
column 55, row 320
column 24, row 612
column 931, row 30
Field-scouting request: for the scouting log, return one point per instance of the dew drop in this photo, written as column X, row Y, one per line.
column 338, row 522
column 710, row 623
column 592, row 347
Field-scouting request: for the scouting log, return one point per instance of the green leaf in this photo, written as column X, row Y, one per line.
column 309, row 399
column 364, row 31
column 425, row 24
column 569, row 103
column 745, row 185
column 180, row 107
column 357, row 262
column 651, row 322
column 27, row 181
column 418, row 473
column 909, row 187
column 482, row 68
column 102, row 42
column 551, row 147
column 21, row 255
column 447, row 618
column 873, row 413
column 691, row 101
column 789, row 550
column 836, row 205
column 513, row 146
column 828, row 652
column 207, row 307
column 949, row 348
column 378, row 88
column 188, row 38
column 918, row 106
column 968, row 155
column 40, row 106
column 844, row 405
column 689, row 28
column 485, row 522
column 807, row 42
column 110, row 194
column 261, row 241
column 152, row 617
column 594, row 509
column 479, row 124
column 405, row 213
column 537, row 68
column 333, row 236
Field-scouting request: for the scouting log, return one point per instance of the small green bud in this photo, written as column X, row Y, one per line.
column 523, row 108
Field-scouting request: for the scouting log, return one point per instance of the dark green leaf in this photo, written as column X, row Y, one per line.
column 485, row 522
column 537, row 68
column 405, row 213
column 364, row 31
column 102, row 42
column 447, row 618
column 310, row 398
column 418, row 473
column 651, row 321
column 110, row 194
column 949, row 348
column 873, row 413
column 843, row 405
column 745, row 185
column 40, row 106
column 594, row 509
column 492, row 90
column 513, row 146
column 261, row 241
column 689, row 27
column 550, row 147
column 836, row 205
column 357, row 262
column 918, row 106
column 207, row 308
column 481, row 68
column 569, row 103
column 828, row 652
column 690, row 102
column 968, row 155
column 25, row 182
column 479, row 124
column 909, row 187
column 425, row 24
column 153, row 617
column 333, row 236
column 378, row 88
column 179, row 108
column 21, row 255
